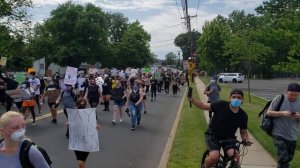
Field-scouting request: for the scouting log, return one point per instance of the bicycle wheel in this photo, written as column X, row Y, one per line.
column 205, row 154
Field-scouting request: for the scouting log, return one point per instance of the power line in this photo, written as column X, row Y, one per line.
column 162, row 45
column 178, row 9
column 163, row 41
column 169, row 27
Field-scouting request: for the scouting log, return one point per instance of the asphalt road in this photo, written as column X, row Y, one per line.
column 119, row 146
column 266, row 89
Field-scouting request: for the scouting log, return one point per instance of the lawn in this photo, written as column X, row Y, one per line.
column 189, row 140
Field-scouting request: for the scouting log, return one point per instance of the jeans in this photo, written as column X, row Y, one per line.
column 285, row 151
column 135, row 113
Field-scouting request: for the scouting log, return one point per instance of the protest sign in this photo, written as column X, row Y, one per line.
column 80, row 82
column 71, row 76
column 82, row 130
column 20, row 77
column 18, row 94
column 3, row 61
column 53, row 95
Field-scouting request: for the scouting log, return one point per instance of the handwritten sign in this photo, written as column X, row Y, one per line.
column 82, row 130
column 53, row 95
column 20, row 77
column 71, row 76
column 18, row 94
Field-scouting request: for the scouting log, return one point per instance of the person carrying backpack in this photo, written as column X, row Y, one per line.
column 68, row 97
column 12, row 129
column 286, row 124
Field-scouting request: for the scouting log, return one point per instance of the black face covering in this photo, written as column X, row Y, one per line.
column 81, row 106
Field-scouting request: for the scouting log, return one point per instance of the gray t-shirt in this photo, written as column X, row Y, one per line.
column 214, row 95
column 284, row 127
column 68, row 100
column 13, row 160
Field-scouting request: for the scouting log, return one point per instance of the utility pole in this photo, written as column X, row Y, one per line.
column 187, row 17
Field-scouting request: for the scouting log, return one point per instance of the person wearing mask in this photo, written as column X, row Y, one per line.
column 28, row 103
column 106, row 93
column 227, row 119
column 68, row 97
column 12, row 129
column 35, row 83
column 81, row 156
column 10, row 84
column 118, row 94
column 174, row 86
column 286, row 124
column 212, row 91
column 93, row 93
column 51, row 88
column 167, row 81
column 135, row 104
column 153, row 88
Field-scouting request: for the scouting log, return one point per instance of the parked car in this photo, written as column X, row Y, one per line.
column 231, row 77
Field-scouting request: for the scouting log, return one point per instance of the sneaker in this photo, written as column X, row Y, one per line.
column 33, row 123
column 138, row 124
column 113, row 122
column 145, row 112
column 120, row 121
column 54, row 121
column 132, row 128
column 152, row 100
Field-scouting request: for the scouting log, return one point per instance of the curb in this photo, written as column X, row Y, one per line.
column 166, row 153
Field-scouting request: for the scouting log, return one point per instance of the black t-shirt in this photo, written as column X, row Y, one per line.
column 225, row 122
column 117, row 93
column 153, row 83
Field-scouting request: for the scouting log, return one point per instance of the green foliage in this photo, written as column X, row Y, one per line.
column 171, row 59
column 183, row 42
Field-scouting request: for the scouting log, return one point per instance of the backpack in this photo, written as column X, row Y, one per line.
column 267, row 121
column 72, row 95
column 24, row 154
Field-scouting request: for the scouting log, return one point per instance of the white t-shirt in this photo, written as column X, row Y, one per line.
column 35, row 84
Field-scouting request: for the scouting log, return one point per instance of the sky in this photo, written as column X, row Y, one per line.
column 162, row 19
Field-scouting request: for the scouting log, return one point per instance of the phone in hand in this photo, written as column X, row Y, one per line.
column 190, row 92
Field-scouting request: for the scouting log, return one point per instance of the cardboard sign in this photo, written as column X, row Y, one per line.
column 53, row 95
column 82, row 130
column 18, row 94
column 3, row 61
column 20, row 77
column 71, row 76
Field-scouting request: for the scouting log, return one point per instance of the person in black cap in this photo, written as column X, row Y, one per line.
column 286, row 124
column 227, row 118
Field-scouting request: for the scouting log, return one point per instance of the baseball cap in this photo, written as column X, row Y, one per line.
column 237, row 91
column 294, row 87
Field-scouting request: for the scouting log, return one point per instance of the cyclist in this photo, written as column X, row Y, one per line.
column 227, row 118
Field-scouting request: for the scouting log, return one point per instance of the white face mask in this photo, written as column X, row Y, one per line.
column 18, row 135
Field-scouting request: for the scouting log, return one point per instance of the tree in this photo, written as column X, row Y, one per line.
column 134, row 48
column 182, row 41
column 171, row 59
column 117, row 26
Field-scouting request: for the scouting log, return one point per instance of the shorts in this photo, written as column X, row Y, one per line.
column 80, row 155
column 37, row 98
column 215, row 143
column 119, row 102
column 51, row 104
column 28, row 103
column 144, row 98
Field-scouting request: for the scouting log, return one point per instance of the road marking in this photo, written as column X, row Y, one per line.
column 43, row 116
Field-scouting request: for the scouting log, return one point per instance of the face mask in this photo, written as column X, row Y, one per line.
column 212, row 81
column 51, row 83
column 30, row 77
column 236, row 103
column 82, row 107
column 18, row 135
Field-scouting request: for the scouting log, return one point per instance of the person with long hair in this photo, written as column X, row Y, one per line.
column 12, row 129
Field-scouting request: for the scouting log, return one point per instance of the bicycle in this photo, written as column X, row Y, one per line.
column 224, row 159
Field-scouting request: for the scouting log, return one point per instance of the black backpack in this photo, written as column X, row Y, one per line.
column 24, row 154
column 267, row 121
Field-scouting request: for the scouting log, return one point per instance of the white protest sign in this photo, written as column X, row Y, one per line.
column 71, row 76
column 82, row 130
column 114, row 72
column 80, row 82
column 134, row 72
column 18, row 94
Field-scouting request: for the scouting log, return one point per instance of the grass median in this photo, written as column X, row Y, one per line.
column 189, row 141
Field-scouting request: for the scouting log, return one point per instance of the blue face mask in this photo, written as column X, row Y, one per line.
column 236, row 103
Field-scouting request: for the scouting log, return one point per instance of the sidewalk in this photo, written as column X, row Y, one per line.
column 257, row 156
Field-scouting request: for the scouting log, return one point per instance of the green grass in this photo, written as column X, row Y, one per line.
column 189, row 143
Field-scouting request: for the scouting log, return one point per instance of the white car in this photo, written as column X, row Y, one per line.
column 231, row 77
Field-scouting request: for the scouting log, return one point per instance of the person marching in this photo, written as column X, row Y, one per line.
column 51, row 98
column 118, row 94
column 153, row 88
column 135, row 104
column 68, row 97
column 174, row 86
column 167, row 81
column 212, row 92
column 35, row 83
column 81, row 156
column 93, row 93
column 106, row 93
column 12, row 129
column 28, row 103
